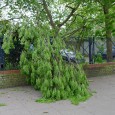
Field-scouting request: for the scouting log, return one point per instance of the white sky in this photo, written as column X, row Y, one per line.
column 6, row 10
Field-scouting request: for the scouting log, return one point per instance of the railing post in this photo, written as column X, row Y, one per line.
column 90, row 51
column 93, row 50
column 1, row 55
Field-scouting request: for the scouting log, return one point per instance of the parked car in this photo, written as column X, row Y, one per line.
column 70, row 56
column 104, row 53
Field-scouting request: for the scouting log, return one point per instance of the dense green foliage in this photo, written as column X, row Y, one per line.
column 48, row 72
column 11, row 45
column 42, row 63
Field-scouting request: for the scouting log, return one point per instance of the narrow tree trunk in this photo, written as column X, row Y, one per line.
column 108, row 33
column 109, row 47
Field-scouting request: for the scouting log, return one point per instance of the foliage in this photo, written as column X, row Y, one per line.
column 11, row 44
column 10, row 66
column 98, row 58
column 45, row 68
column 2, row 104
column 42, row 100
column 12, row 47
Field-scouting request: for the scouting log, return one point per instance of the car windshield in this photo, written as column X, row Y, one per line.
column 71, row 53
column 66, row 51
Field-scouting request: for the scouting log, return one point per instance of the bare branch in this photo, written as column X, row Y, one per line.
column 74, row 31
column 49, row 14
column 75, row 16
column 69, row 7
column 69, row 16
column 15, row 18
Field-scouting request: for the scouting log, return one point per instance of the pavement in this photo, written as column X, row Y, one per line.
column 21, row 101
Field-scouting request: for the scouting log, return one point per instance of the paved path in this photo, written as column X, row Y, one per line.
column 21, row 101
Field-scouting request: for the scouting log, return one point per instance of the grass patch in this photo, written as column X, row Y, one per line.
column 2, row 104
column 44, row 100
column 2, row 93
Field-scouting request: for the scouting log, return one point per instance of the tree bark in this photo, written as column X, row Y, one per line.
column 49, row 14
column 108, row 33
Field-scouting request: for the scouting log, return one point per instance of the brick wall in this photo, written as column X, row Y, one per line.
column 94, row 70
column 11, row 78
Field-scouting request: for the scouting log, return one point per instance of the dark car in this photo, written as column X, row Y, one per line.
column 104, row 53
column 70, row 56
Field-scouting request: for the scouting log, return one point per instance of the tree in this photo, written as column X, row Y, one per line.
column 108, row 12
column 100, row 21
column 108, row 27
column 42, row 62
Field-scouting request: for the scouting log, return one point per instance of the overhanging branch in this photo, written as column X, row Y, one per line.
column 74, row 31
column 69, row 16
column 48, row 14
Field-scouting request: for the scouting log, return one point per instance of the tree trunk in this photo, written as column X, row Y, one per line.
column 108, row 33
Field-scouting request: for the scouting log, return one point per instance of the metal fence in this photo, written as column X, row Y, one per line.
column 91, row 47
column 1, row 55
column 88, row 48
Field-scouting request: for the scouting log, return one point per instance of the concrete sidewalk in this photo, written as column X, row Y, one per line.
column 21, row 101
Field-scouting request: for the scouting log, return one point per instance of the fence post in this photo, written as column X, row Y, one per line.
column 83, row 49
column 90, row 51
column 1, row 54
column 93, row 50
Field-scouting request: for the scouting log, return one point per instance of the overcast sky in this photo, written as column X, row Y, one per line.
column 4, row 10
